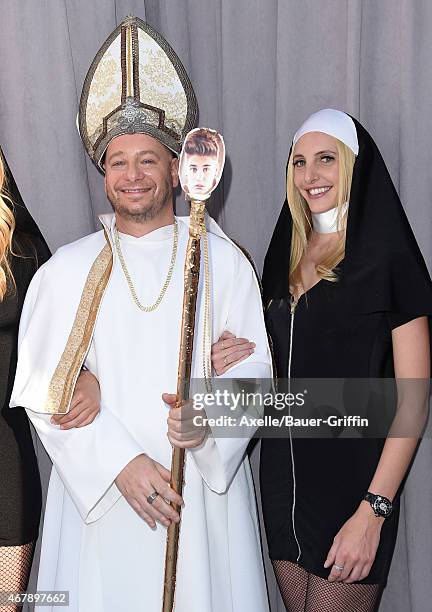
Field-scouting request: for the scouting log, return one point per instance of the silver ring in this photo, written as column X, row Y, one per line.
column 338, row 567
column 223, row 345
column 225, row 361
column 152, row 497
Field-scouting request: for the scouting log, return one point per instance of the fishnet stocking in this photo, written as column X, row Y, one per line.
column 305, row 592
column 293, row 583
column 15, row 564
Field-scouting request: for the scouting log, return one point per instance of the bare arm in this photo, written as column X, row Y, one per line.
column 355, row 545
column 411, row 361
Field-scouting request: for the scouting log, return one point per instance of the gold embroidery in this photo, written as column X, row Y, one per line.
column 63, row 381
column 106, row 90
column 135, row 56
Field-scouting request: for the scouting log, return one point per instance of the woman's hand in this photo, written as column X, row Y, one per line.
column 85, row 404
column 354, row 547
column 230, row 350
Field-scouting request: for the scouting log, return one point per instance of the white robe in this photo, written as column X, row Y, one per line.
column 94, row 545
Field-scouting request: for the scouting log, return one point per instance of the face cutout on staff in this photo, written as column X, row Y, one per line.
column 201, row 163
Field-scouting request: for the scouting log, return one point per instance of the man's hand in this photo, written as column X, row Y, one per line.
column 182, row 431
column 138, row 480
column 85, row 404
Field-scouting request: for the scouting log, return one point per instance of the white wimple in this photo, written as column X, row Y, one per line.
column 326, row 222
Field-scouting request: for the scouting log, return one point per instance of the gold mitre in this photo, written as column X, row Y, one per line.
column 136, row 84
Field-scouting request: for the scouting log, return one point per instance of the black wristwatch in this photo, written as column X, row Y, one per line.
column 380, row 504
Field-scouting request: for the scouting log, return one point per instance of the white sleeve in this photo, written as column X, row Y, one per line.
column 219, row 457
column 88, row 459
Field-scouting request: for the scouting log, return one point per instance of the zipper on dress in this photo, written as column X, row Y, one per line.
column 293, row 306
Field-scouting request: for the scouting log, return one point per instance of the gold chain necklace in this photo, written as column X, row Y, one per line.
column 129, row 280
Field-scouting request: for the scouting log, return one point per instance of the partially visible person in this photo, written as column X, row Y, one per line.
column 347, row 296
column 22, row 250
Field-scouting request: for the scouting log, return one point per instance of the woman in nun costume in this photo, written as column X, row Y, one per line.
column 347, row 296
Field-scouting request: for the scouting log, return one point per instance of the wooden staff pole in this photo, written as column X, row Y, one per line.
column 191, row 279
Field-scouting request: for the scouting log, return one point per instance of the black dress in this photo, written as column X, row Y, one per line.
column 332, row 475
column 19, row 477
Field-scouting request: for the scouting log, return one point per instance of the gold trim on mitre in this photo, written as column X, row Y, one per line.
column 136, row 84
column 62, row 384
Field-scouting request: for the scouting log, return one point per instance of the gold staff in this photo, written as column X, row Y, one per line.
column 191, row 279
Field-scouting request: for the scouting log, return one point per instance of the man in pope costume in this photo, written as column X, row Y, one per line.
column 102, row 303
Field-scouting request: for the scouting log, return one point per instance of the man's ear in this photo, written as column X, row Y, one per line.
column 174, row 171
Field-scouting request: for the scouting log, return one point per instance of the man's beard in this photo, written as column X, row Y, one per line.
column 152, row 209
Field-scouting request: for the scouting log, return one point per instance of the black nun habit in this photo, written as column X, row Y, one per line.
column 341, row 330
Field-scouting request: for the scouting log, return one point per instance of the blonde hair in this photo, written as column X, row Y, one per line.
column 7, row 226
column 302, row 220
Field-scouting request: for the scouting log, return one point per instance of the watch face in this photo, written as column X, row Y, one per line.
column 382, row 506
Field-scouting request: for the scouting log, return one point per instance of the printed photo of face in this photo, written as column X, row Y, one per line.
column 201, row 163
column 201, row 172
